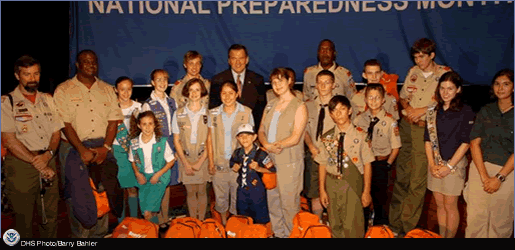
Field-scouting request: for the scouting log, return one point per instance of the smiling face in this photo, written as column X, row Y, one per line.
column 503, row 87
column 87, row 65
column 160, row 82
column 147, row 126
column 29, row 77
column 280, row 85
column 246, row 139
column 374, row 100
column 195, row 92
column 238, row 60
column 373, row 74
column 228, row 95
column 448, row 92
column 124, row 89
column 193, row 67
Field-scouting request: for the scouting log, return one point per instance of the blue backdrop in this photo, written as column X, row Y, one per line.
column 133, row 38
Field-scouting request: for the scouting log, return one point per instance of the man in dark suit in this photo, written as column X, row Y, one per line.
column 251, row 86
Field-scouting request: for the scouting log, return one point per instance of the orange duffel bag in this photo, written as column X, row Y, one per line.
column 379, row 231
column 186, row 227
column 211, row 228
column 235, row 224
column 421, row 233
column 136, row 228
column 101, row 200
column 253, row 231
column 301, row 222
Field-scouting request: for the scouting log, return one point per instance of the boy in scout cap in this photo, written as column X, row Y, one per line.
column 31, row 134
column 417, row 93
column 383, row 136
column 250, row 162
column 345, row 172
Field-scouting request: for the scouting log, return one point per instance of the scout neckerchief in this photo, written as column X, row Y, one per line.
column 433, row 135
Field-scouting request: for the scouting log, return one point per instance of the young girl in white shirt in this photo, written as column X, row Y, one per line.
column 152, row 158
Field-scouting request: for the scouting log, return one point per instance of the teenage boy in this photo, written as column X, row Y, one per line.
column 373, row 73
column 319, row 122
column 345, row 172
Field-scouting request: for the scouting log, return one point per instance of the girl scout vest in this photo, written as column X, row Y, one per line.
column 158, row 159
column 193, row 151
column 242, row 117
column 160, row 114
column 284, row 130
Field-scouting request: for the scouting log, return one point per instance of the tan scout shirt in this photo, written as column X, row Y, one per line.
column 33, row 123
column 385, row 136
column 313, row 107
column 420, row 91
column 87, row 110
column 176, row 91
column 355, row 149
column 344, row 83
column 359, row 104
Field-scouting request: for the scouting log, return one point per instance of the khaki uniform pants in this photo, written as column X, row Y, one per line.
column 488, row 215
column 411, row 179
column 284, row 200
column 345, row 211
column 22, row 188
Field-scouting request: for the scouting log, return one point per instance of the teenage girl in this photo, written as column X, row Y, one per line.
column 121, row 145
column 189, row 127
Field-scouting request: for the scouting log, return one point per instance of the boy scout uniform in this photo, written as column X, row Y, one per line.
column 343, row 81
column 284, row 200
column 359, row 104
column 411, row 172
column 178, row 86
column 345, row 188
column 224, row 176
column 33, row 125
column 311, row 167
column 193, row 151
column 385, row 137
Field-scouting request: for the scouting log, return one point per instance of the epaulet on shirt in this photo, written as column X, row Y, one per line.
column 446, row 68
column 359, row 129
column 388, row 114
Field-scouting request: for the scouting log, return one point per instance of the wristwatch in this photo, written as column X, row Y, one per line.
column 500, row 177
column 52, row 153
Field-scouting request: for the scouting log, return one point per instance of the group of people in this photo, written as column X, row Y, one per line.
column 330, row 143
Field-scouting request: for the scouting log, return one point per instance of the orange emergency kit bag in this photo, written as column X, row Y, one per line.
column 421, row 233
column 379, row 231
column 101, row 200
column 211, row 228
column 235, row 224
column 136, row 228
column 186, row 227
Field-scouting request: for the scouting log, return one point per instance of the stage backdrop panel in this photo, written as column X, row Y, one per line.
column 475, row 38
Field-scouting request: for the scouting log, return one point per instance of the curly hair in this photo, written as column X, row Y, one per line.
column 135, row 121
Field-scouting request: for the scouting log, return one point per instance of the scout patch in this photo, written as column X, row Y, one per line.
column 413, row 78
column 412, row 89
column 25, row 128
column 23, row 118
column 383, row 123
column 205, row 119
column 396, row 131
column 20, row 104
column 356, row 141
